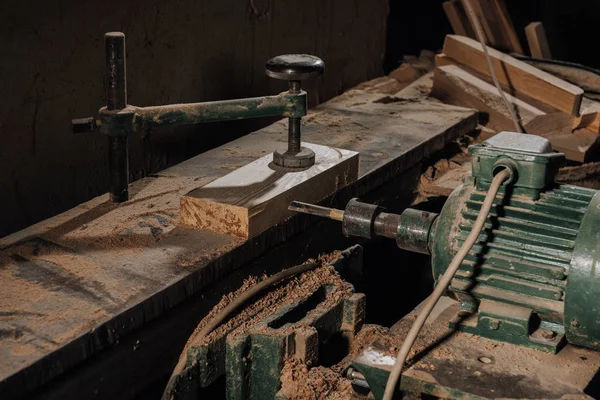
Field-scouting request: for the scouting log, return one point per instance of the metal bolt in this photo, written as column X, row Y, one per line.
column 547, row 334
column 494, row 324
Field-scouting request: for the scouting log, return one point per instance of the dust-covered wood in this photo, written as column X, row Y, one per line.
column 256, row 196
column 455, row 86
column 517, row 75
column 537, row 40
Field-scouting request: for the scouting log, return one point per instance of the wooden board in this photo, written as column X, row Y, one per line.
column 586, row 80
column 580, row 146
column 255, row 197
column 507, row 27
column 80, row 283
column 589, row 116
column 518, row 75
column 496, row 24
column 458, row 18
column 455, row 86
column 537, row 40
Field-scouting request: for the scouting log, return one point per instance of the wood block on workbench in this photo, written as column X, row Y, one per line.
column 256, row 196
column 515, row 74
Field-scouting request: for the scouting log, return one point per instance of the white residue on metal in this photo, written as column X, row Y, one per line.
column 373, row 357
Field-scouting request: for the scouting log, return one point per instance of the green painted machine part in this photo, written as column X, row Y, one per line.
column 531, row 278
column 252, row 360
column 141, row 119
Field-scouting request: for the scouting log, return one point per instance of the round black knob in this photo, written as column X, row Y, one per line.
column 294, row 67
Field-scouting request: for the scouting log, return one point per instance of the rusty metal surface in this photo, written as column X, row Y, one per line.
column 77, row 283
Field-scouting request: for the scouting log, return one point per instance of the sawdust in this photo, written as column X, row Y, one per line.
column 319, row 383
column 152, row 211
column 367, row 335
column 586, row 175
column 293, row 291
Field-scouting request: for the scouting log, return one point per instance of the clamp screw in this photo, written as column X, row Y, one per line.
column 494, row 324
column 294, row 68
column 548, row 334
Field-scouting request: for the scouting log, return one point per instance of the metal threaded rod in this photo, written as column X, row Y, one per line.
column 294, row 132
column 294, row 124
column 306, row 208
column 116, row 85
column 116, row 99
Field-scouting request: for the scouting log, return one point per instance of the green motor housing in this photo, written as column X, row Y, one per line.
column 533, row 277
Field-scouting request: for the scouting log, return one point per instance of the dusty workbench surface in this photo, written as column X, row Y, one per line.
column 77, row 283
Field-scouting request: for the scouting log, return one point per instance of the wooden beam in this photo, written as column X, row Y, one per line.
column 455, row 86
column 515, row 74
column 507, row 27
column 579, row 146
column 537, row 40
column 586, row 80
column 589, row 117
column 255, row 197
column 496, row 24
column 458, row 18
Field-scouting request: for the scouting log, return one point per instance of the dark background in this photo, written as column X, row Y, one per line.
column 196, row 50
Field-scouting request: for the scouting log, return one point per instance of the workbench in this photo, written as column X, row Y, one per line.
column 75, row 287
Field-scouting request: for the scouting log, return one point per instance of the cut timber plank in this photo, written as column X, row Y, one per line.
column 586, row 80
column 497, row 25
column 538, row 43
column 518, row 75
column 578, row 146
column 455, row 86
column 255, row 197
column 589, row 116
column 508, row 27
column 458, row 18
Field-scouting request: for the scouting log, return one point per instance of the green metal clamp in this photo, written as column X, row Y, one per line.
column 118, row 119
column 131, row 119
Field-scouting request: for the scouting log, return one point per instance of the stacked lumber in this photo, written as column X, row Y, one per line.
column 498, row 29
column 545, row 105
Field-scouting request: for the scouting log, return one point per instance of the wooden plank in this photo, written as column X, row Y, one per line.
column 581, row 145
column 517, row 75
column 508, row 27
column 496, row 24
column 255, row 197
column 589, row 116
column 586, row 80
column 458, row 18
column 83, row 281
column 482, row 22
column 537, row 40
column 442, row 59
column 455, row 86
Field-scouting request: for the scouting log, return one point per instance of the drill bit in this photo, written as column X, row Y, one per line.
column 319, row 211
